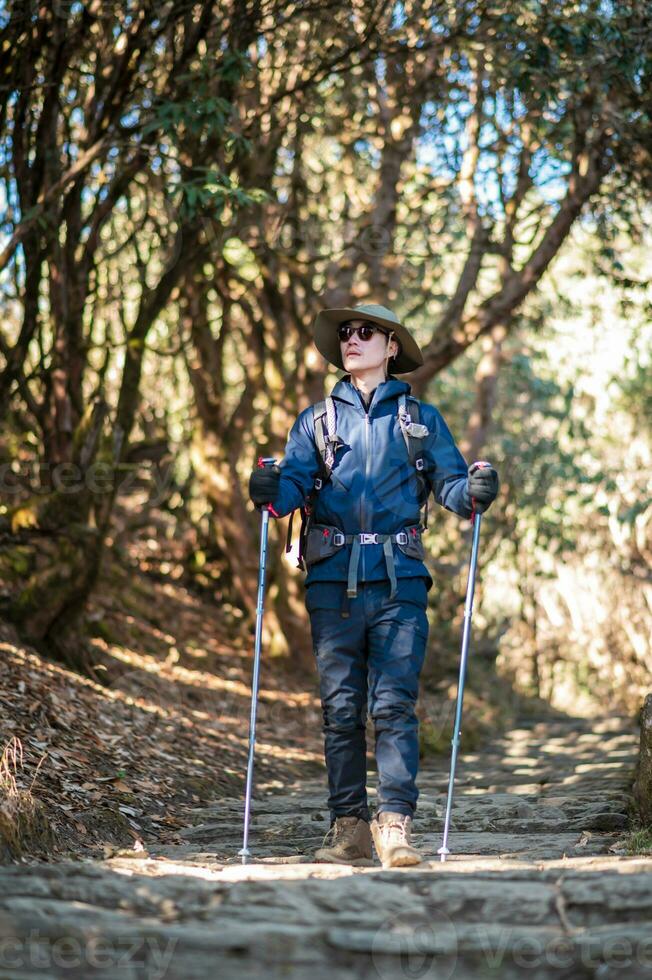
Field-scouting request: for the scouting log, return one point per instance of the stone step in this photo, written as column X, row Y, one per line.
column 531, row 886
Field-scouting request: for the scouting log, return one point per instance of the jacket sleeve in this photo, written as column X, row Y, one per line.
column 299, row 466
column 445, row 466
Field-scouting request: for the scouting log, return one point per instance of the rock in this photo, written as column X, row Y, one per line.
column 603, row 821
column 524, row 810
column 643, row 784
column 24, row 826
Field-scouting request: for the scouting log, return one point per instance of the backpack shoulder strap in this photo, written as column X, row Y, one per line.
column 319, row 421
column 326, row 439
column 409, row 415
column 325, row 423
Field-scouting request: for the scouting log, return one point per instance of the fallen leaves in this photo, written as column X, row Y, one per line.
column 131, row 760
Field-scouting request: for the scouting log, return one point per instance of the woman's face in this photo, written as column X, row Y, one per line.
column 363, row 355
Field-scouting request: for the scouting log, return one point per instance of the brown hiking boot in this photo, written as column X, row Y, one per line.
column 391, row 833
column 347, row 842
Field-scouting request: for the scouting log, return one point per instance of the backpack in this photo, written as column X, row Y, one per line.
column 327, row 440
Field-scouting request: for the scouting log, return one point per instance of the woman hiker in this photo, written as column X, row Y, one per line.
column 366, row 587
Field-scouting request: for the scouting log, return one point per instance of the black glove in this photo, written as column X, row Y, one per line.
column 264, row 484
column 483, row 485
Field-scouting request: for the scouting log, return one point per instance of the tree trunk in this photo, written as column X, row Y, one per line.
column 235, row 543
column 486, row 381
column 643, row 784
column 50, row 552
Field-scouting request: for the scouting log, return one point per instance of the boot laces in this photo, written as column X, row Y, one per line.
column 340, row 828
column 397, row 831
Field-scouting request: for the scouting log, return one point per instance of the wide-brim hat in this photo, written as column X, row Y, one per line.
column 328, row 343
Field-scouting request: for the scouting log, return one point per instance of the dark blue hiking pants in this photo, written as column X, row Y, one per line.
column 370, row 660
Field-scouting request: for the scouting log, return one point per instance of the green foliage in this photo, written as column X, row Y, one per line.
column 209, row 192
column 570, row 437
column 639, row 841
column 199, row 108
column 204, row 115
column 199, row 116
column 633, row 391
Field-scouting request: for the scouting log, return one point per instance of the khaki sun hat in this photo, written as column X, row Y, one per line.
column 328, row 344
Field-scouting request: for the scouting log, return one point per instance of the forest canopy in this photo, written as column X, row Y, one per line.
column 184, row 185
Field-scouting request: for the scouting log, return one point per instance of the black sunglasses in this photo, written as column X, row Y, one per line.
column 365, row 332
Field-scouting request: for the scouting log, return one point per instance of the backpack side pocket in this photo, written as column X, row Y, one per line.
column 320, row 543
column 414, row 547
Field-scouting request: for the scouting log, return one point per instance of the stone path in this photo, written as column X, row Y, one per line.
column 536, row 884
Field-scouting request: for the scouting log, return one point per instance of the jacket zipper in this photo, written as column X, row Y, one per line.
column 366, row 467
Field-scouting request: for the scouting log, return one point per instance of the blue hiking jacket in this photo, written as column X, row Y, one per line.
column 373, row 485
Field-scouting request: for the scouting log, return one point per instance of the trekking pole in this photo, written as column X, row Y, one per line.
column 244, row 852
column 468, row 611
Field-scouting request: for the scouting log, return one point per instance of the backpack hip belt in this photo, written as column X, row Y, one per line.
column 324, row 540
